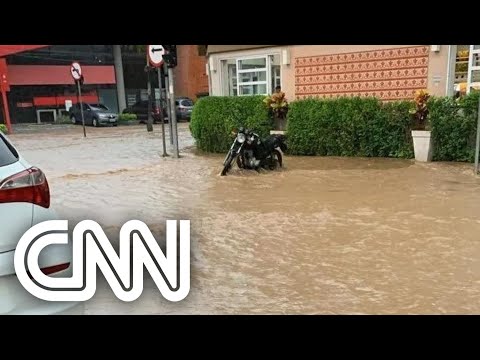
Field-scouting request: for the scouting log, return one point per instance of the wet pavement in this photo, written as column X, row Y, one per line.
column 321, row 236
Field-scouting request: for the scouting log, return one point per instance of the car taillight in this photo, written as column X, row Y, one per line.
column 52, row 269
column 29, row 186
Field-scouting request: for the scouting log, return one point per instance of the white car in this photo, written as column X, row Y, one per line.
column 24, row 202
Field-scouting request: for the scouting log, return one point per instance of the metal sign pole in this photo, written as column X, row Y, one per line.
column 81, row 106
column 174, row 113
column 477, row 147
column 149, row 94
column 4, row 88
column 150, row 107
column 159, row 71
column 155, row 59
column 169, row 105
column 76, row 72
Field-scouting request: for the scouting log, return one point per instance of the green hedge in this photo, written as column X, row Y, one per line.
column 3, row 128
column 367, row 127
column 215, row 117
column 349, row 127
column 454, row 126
column 127, row 117
column 342, row 127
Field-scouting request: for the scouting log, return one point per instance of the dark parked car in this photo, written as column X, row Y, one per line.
column 94, row 114
column 140, row 109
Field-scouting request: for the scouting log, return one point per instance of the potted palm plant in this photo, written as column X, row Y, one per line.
column 421, row 134
column 278, row 106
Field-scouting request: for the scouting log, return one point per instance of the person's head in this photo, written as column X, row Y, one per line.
column 278, row 89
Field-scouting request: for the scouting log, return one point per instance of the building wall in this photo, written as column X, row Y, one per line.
column 387, row 71
column 40, row 78
column 190, row 74
column 31, row 78
column 438, row 71
column 225, row 48
column 64, row 55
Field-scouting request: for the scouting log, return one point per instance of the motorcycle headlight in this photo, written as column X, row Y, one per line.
column 241, row 138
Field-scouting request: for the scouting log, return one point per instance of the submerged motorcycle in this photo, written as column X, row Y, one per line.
column 251, row 152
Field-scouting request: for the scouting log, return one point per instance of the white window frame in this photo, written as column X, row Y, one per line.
column 231, row 80
column 223, row 75
column 279, row 77
column 246, row 71
column 472, row 68
column 226, row 80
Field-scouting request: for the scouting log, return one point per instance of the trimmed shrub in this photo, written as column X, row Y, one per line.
column 215, row 117
column 127, row 117
column 454, row 126
column 63, row 119
column 3, row 128
column 349, row 127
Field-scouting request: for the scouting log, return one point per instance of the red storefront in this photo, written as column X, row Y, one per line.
column 39, row 78
column 28, row 88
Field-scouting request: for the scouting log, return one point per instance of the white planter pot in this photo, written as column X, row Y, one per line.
column 422, row 145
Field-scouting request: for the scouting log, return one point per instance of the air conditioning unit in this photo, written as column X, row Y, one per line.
column 285, row 57
column 211, row 63
column 435, row 48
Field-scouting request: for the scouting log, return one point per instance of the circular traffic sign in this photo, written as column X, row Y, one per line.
column 155, row 54
column 76, row 71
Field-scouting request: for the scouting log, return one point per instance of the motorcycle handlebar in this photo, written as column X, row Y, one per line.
column 246, row 132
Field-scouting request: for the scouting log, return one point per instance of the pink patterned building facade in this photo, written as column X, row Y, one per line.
column 388, row 72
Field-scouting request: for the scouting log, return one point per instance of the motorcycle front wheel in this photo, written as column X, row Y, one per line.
column 228, row 164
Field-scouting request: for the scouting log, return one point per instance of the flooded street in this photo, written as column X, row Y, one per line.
column 321, row 236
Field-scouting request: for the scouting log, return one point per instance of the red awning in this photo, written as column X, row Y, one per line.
column 58, row 74
column 13, row 49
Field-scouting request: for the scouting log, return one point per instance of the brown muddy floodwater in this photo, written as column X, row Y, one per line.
column 321, row 236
